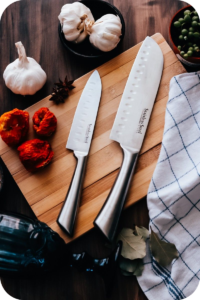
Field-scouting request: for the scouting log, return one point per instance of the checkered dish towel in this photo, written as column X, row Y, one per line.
column 174, row 195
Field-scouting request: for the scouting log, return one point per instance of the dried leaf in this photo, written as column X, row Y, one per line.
column 142, row 231
column 127, row 265
column 124, row 273
column 140, row 267
column 133, row 246
column 163, row 252
column 134, row 267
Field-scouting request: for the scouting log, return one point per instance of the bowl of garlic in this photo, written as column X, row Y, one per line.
column 91, row 29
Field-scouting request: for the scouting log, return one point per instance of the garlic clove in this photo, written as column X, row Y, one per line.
column 105, row 33
column 24, row 76
column 71, row 35
column 73, row 17
column 81, row 37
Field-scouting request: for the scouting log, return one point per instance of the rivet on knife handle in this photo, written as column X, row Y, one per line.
column 108, row 218
column 68, row 212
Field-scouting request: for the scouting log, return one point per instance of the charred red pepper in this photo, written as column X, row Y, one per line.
column 14, row 126
column 44, row 122
column 35, row 154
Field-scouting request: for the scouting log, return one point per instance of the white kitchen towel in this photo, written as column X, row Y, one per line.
column 174, row 195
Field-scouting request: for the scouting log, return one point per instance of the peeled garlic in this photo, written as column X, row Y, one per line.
column 73, row 19
column 24, row 76
column 105, row 33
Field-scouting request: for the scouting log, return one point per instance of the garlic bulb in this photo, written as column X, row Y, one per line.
column 73, row 19
column 24, row 76
column 105, row 33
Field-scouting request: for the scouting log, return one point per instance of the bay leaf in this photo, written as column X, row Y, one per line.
column 127, row 265
column 125, row 273
column 134, row 267
column 142, row 231
column 140, row 267
column 163, row 252
column 133, row 246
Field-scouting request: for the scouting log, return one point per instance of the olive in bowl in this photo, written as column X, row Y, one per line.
column 184, row 33
column 99, row 9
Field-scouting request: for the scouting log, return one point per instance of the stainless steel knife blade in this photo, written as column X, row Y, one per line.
column 85, row 116
column 130, row 126
column 137, row 101
column 79, row 141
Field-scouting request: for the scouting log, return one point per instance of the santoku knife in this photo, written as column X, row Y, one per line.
column 129, row 128
column 79, row 141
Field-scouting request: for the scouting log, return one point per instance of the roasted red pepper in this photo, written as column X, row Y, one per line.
column 44, row 122
column 14, row 126
column 35, row 154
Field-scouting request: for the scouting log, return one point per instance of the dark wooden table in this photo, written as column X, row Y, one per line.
column 34, row 22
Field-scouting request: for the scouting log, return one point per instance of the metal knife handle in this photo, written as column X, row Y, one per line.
column 69, row 210
column 108, row 217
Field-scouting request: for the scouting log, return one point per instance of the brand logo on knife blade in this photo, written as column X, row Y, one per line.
column 142, row 120
column 88, row 133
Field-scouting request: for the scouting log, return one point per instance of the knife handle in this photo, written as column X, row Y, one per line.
column 108, row 218
column 67, row 216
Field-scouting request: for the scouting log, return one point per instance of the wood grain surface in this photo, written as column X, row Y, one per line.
column 34, row 22
column 45, row 191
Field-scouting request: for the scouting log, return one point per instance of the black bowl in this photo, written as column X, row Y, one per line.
column 85, row 49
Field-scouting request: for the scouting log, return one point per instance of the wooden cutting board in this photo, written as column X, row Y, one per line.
column 46, row 190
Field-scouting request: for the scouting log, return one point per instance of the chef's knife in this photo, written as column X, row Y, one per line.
column 79, row 141
column 129, row 128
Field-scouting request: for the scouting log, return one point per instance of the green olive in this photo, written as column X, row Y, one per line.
column 195, row 13
column 185, row 55
column 190, row 34
column 190, row 53
column 184, row 31
column 181, row 20
column 195, row 18
column 191, row 49
column 191, row 29
column 181, row 37
column 188, row 19
column 182, row 52
column 194, row 24
column 194, row 45
column 190, row 44
column 196, row 35
column 179, row 47
column 186, row 12
column 185, row 38
column 177, row 24
column 196, row 49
